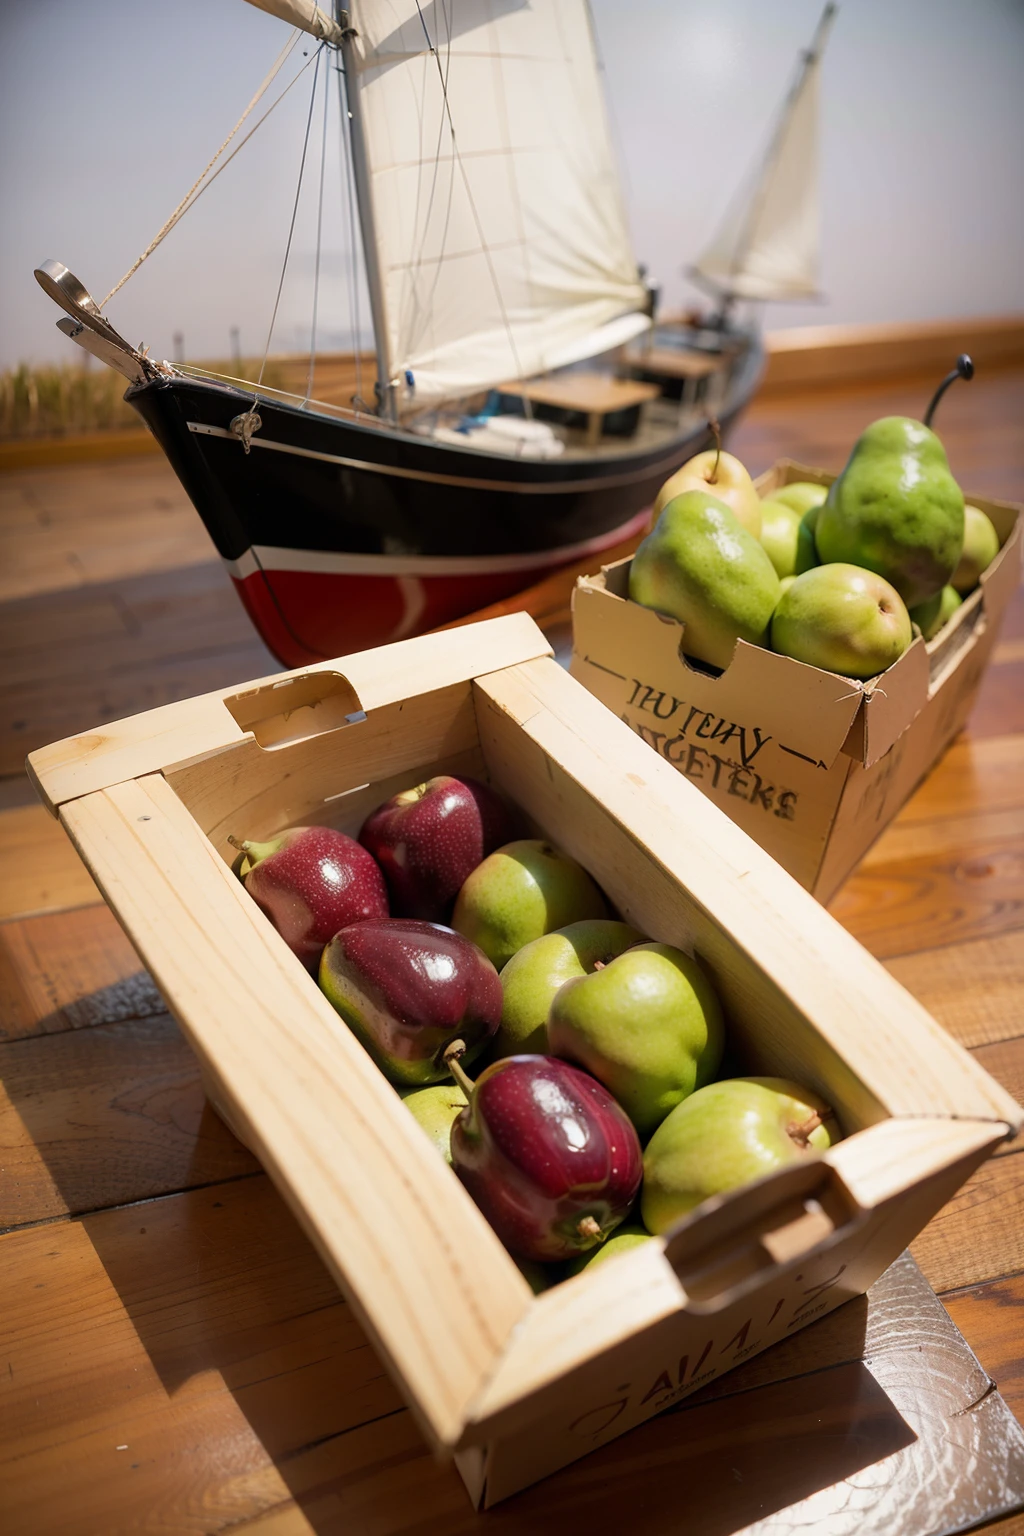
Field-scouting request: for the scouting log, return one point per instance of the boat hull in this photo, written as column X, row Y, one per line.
column 340, row 535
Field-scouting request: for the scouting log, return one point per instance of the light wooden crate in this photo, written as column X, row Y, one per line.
column 515, row 1385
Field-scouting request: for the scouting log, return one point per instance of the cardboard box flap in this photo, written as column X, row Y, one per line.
column 760, row 697
column 893, row 701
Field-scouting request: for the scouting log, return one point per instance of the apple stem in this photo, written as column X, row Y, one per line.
column 451, row 1060
column 588, row 1227
column 716, row 429
column 801, row 1133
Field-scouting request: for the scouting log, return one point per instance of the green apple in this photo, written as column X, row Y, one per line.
column 725, row 1135
column 801, row 495
column 524, row 890
column 532, row 977
column 787, row 538
column 621, row 1241
column 843, row 619
column 931, row 616
column 721, row 475
column 435, row 1109
column 648, row 1026
column 981, row 545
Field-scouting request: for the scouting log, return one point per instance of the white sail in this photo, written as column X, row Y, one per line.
column 768, row 245
column 500, row 231
column 303, row 14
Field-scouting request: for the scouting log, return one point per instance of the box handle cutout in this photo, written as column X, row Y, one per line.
column 296, row 708
column 725, row 1247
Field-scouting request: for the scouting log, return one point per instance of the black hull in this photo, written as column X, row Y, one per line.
column 362, row 500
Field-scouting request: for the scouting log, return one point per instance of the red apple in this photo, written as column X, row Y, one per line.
column 311, row 881
column 429, row 839
column 407, row 989
column 547, row 1154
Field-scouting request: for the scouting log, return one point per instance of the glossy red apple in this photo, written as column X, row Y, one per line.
column 427, row 840
column 311, row 881
column 547, row 1154
column 407, row 989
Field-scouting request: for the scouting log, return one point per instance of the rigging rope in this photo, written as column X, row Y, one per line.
column 319, row 230
column 295, row 209
column 197, row 187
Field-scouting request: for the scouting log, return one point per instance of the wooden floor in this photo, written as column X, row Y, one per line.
column 175, row 1357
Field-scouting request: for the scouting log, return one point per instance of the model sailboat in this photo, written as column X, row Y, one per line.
column 496, row 251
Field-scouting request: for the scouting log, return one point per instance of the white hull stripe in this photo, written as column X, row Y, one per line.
column 327, row 563
column 520, row 488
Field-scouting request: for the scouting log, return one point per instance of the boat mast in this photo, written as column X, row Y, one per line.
column 361, row 175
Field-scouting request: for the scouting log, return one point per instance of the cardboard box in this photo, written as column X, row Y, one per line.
column 811, row 764
column 516, row 1385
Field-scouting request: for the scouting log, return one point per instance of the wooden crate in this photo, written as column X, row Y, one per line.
column 812, row 764
column 515, row 1385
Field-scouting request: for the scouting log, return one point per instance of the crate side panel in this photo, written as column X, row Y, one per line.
column 428, row 1278
column 805, row 998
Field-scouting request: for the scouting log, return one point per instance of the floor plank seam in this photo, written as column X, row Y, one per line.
column 127, row 1205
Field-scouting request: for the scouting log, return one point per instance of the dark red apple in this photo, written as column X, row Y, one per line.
column 311, row 881
column 427, row 840
column 547, row 1154
column 407, row 989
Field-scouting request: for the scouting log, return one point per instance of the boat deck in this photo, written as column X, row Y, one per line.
column 175, row 1350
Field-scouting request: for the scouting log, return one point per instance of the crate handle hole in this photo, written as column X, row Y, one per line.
column 296, row 708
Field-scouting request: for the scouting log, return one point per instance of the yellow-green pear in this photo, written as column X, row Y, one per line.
column 726, row 1135
column 622, row 1240
column 800, row 495
column 981, row 545
column 721, row 475
column 787, row 538
column 532, row 977
column 435, row 1108
column 648, row 1026
column 932, row 616
column 843, row 619
column 521, row 891
column 699, row 565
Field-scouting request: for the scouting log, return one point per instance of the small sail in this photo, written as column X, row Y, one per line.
column 768, row 245
column 500, row 229
column 303, row 14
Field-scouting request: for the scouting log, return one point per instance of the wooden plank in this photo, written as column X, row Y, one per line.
column 106, row 1116
column 903, row 905
column 1005, row 1061
column 70, row 970
column 973, row 989
column 840, row 355
column 979, row 1235
column 992, row 1317
column 39, row 869
column 988, row 773
column 593, row 393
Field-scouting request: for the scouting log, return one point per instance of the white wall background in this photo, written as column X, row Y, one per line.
column 110, row 108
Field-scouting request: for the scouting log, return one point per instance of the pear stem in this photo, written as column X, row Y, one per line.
column 451, row 1060
column 241, row 846
column 801, row 1132
column 964, row 370
column 588, row 1227
column 716, row 429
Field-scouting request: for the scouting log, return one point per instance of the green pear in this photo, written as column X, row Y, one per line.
column 436, row 1108
column 895, row 510
column 843, row 619
column 701, row 566
column 648, row 1026
column 981, row 545
column 787, row 538
column 621, row 1241
column 725, row 1135
column 532, row 977
column 785, row 584
column 931, row 616
column 800, row 495
column 521, row 891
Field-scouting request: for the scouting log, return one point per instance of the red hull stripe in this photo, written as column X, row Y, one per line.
column 330, row 563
